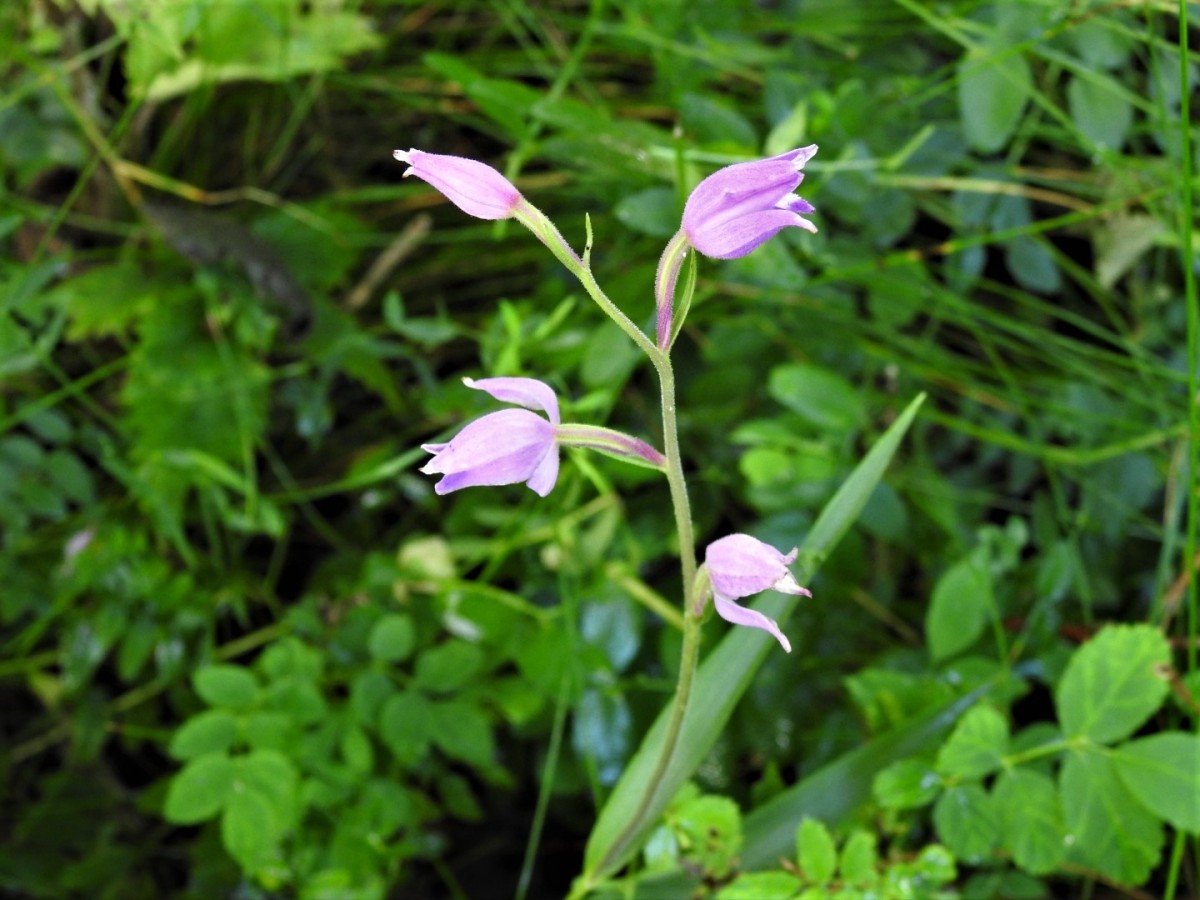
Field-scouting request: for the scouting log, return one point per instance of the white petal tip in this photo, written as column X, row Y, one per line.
column 401, row 155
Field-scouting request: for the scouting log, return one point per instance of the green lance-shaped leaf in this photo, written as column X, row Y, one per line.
column 1113, row 683
column 721, row 681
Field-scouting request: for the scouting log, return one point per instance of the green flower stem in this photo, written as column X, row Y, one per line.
column 549, row 235
column 545, row 231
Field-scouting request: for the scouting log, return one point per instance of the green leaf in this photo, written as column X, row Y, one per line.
column 993, row 88
column 272, row 776
column 462, row 731
column 357, row 750
column 1113, row 683
column 212, row 731
column 406, row 725
column 958, row 610
column 1112, row 832
column 449, row 667
column 248, row 830
column 225, row 685
column 834, row 792
column 821, row 396
column 1031, row 820
column 1163, row 772
column 816, row 852
column 761, row 886
column 722, row 678
column 977, row 745
column 200, row 790
column 859, row 859
column 907, row 784
column 967, row 821
column 1100, row 109
column 710, row 833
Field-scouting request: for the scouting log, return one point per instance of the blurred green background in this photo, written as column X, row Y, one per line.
column 247, row 652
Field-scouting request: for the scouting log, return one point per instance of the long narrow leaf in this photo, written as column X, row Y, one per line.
column 723, row 678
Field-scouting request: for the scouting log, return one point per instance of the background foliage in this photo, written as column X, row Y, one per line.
column 245, row 648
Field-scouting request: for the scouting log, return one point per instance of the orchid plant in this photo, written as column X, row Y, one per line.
column 728, row 215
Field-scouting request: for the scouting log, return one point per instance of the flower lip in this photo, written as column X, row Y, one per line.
column 474, row 187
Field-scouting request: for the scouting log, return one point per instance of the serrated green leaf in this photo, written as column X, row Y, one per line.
column 859, row 860
column 958, row 610
column 200, row 790
column 816, row 852
column 966, row 821
column 1110, row 830
column 906, row 784
column 212, row 731
column 1163, row 772
column 229, row 686
column 1031, row 820
column 977, row 745
column 1113, row 683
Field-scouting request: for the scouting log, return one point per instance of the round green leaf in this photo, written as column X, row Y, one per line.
column 212, row 731
column 1113, row 683
column 224, row 685
column 392, row 639
column 1100, row 109
column 200, row 790
column 992, row 92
